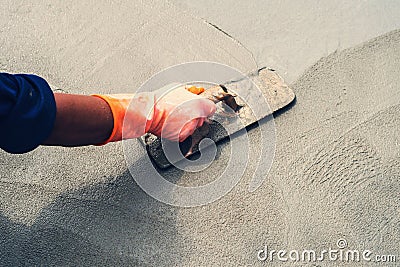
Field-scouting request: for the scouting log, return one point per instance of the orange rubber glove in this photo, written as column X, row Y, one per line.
column 172, row 112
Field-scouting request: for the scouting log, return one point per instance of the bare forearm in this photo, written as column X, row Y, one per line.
column 80, row 120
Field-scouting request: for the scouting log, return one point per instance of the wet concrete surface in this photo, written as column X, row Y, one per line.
column 335, row 171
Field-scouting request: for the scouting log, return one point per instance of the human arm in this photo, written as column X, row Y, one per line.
column 27, row 112
column 171, row 112
column 99, row 119
column 80, row 120
column 30, row 115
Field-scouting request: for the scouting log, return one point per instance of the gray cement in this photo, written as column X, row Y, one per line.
column 336, row 168
column 290, row 36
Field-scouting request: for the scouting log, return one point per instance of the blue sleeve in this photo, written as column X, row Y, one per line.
column 27, row 112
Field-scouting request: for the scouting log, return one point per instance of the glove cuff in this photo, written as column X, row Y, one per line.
column 132, row 114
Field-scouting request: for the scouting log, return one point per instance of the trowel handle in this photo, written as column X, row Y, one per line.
column 196, row 90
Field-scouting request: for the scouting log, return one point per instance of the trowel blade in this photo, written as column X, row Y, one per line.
column 269, row 85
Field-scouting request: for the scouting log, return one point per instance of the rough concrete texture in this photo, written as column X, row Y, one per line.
column 336, row 167
column 290, row 36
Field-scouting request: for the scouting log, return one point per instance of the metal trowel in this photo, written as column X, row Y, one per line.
column 232, row 99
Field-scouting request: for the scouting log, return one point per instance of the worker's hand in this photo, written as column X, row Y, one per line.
column 171, row 112
column 178, row 113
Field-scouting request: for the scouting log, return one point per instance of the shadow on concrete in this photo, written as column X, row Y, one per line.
column 109, row 224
